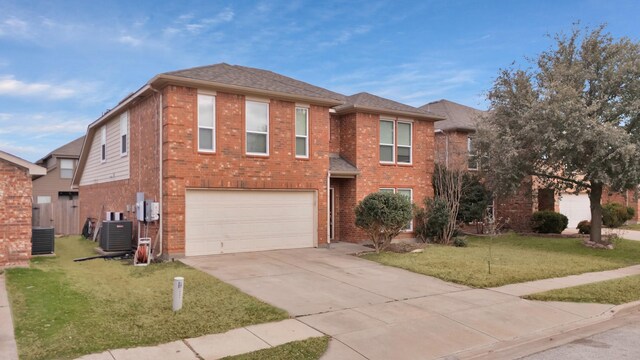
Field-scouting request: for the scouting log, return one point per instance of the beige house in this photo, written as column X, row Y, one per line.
column 54, row 200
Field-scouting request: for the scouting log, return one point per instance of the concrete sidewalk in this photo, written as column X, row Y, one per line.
column 234, row 342
column 8, row 347
column 532, row 287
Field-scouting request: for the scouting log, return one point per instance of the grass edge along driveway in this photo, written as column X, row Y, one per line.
column 514, row 259
column 62, row 309
column 616, row 292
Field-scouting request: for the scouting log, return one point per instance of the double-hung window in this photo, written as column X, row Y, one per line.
column 472, row 153
column 404, row 143
column 257, row 124
column 66, row 168
column 302, row 132
column 206, row 123
column 103, row 143
column 408, row 192
column 387, row 141
column 124, row 130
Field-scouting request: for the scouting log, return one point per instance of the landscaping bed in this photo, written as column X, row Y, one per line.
column 617, row 291
column 63, row 309
column 514, row 259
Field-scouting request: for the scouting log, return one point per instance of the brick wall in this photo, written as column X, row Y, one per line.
column 96, row 199
column 361, row 147
column 229, row 166
column 517, row 208
column 451, row 148
column 15, row 215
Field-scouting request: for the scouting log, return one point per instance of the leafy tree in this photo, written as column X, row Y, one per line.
column 572, row 119
column 474, row 200
column 383, row 215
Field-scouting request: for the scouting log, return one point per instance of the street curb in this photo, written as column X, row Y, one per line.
column 551, row 338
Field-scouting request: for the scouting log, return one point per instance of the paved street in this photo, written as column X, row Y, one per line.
column 618, row 343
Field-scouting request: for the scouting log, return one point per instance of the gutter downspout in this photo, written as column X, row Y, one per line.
column 328, row 209
column 160, row 252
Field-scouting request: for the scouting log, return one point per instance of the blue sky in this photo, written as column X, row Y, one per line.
column 63, row 63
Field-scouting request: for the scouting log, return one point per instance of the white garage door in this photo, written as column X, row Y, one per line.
column 576, row 208
column 229, row 221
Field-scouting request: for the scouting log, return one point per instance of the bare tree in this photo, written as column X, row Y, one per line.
column 447, row 184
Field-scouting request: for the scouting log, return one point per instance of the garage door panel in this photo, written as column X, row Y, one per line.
column 219, row 221
column 576, row 208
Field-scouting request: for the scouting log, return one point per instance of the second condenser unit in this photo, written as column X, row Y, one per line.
column 116, row 235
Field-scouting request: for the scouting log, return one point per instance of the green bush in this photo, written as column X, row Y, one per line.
column 549, row 222
column 474, row 200
column 584, row 227
column 431, row 220
column 615, row 215
column 383, row 215
column 459, row 242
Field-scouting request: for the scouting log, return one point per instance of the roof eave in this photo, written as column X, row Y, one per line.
column 162, row 80
column 355, row 108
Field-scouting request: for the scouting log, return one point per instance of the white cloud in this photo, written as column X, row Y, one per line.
column 130, row 40
column 14, row 27
column 10, row 86
column 345, row 36
column 23, row 151
column 188, row 23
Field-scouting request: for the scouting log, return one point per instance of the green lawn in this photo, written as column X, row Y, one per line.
column 618, row 291
column 64, row 309
column 632, row 227
column 309, row 349
column 514, row 259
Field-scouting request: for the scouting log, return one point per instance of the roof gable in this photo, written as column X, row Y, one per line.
column 458, row 116
column 370, row 102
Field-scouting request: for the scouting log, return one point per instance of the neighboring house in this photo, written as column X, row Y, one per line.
column 53, row 191
column 455, row 148
column 15, row 209
column 243, row 159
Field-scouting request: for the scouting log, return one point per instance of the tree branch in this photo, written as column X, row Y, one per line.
column 573, row 181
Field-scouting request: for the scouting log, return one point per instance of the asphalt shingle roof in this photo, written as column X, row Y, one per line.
column 339, row 165
column 255, row 78
column 71, row 149
column 459, row 117
column 370, row 101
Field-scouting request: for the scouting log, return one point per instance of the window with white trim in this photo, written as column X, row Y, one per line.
column 103, row 143
column 206, row 123
column 387, row 141
column 408, row 192
column 472, row 163
column 257, row 125
column 124, row 130
column 302, row 132
column 404, row 142
column 66, row 168
column 43, row 199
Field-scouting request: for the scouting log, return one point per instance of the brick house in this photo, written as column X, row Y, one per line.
column 52, row 192
column 15, row 209
column 454, row 147
column 243, row 159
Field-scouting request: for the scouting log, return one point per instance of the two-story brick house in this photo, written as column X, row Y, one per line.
column 243, row 159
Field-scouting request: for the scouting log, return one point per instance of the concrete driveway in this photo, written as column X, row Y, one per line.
column 379, row 312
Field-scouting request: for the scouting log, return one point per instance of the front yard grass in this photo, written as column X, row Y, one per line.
column 309, row 349
column 514, row 259
column 64, row 309
column 617, row 291
column 635, row 227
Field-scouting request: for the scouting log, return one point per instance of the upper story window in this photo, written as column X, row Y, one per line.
column 396, row 148
column 206, row 123
column 103, row 143
column 302, row 132
column 257, row 125
column 387, row 141
column 472, row 154
column 66, row 168
column 124, row 131
column 404, row 142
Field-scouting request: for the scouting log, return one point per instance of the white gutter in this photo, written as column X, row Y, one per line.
column 160, row 167
column 329, row 209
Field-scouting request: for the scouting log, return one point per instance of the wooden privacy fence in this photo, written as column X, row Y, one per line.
column 63, row 215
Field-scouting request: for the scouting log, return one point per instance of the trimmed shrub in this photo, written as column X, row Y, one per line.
column 383, row 215
column 615, row 215
column 474, row 200
column 459, row 242
column 549, row 222
column 584, row 227
column 431, row 220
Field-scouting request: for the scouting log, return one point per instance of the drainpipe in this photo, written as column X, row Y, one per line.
column 329, row 209
column 160, row 252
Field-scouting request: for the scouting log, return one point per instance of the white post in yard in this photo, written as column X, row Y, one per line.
column 178, row 287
